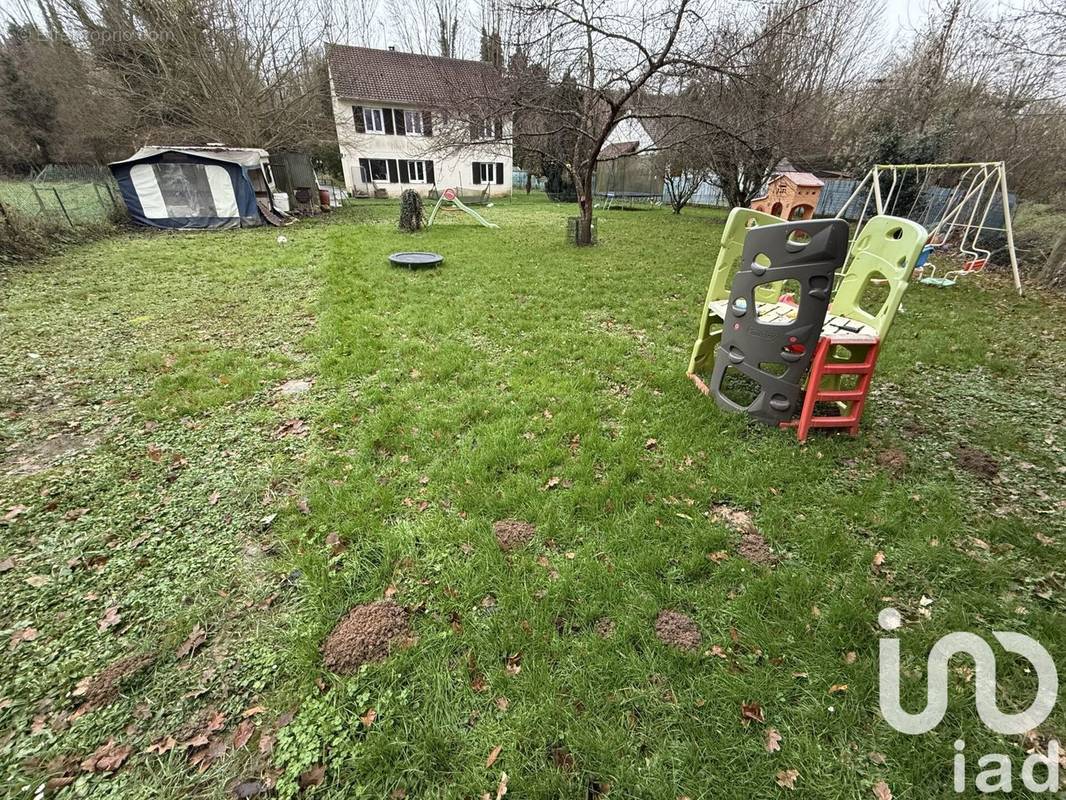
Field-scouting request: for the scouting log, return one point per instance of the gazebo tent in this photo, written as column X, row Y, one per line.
column 186, row 188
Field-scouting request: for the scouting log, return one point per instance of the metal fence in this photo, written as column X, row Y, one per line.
column 61, row 194
column 926, row 208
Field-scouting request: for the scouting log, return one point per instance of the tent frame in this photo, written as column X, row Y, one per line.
column 983, row 173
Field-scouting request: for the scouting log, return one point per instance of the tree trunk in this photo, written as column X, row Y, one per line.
column 529, row 182
column 584, row 200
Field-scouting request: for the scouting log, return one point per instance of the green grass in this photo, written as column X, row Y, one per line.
column 82, row 202
column 140, row 379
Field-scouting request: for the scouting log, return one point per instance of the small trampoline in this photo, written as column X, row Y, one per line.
column 416, row 260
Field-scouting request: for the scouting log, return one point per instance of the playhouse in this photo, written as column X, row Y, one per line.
column 790, row 196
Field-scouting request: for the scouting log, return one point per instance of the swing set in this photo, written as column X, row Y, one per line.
column 957, row 223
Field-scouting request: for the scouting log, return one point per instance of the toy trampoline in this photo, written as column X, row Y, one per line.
column 416, row 260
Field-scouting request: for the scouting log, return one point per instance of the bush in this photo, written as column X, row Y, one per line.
column 25, row 237
column 412, row 215
column 1040, row 241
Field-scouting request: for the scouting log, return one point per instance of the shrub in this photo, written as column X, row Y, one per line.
column 1040, row 241
column 412, row 215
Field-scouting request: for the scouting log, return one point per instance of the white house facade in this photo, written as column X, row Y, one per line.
column 397, row 127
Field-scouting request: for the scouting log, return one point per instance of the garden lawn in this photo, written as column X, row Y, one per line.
column 213, row 445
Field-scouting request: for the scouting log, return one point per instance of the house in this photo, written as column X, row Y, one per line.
column 790, row 195
column 627, row 163
column 409, row 121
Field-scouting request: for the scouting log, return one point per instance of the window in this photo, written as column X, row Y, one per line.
column 488, row 172
column 374, row 120
column 416, row 171
column 412, row 122
column 487, row 129
column 373, row 169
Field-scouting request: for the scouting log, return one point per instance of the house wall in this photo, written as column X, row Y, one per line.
column 451, row 168
column 630, row 130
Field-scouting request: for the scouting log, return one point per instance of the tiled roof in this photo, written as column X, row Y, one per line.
column 801, row 178
column 363, row 73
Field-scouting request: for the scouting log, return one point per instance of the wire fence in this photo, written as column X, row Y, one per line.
column 61, row 195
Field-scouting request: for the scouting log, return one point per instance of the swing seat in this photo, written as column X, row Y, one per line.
column 974, row 265
column 942, row 283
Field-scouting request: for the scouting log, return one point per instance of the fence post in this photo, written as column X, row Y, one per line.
column 114, row 202
column 61, row 206
column 37, row 194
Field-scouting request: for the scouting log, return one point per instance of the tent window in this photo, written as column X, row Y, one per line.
column 186, row 190
column 374, row 120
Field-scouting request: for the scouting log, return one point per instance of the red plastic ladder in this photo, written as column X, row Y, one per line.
column 855, row 399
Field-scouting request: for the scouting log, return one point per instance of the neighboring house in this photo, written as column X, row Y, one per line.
column 398, row 118
column 627, row 163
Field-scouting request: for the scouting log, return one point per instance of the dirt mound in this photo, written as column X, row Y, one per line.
column 102, row 689
column 677, row 630
column 512, row 533
column 977, row 461
column 893, row 459
column 605, row 627
column 364, row 634
column 756, row 550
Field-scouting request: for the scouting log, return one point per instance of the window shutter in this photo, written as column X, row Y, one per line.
column 497, row 128
column 427, row 123
column 477, row 173
column 364, row 170
column 429, row 173
column 404, row 176
column 401, row 123
column 360, row 123
column 475, row 134
column 387, row 114
column 394, row 172
column 499, row 172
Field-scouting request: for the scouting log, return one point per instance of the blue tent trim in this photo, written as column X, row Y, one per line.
column 243, row 192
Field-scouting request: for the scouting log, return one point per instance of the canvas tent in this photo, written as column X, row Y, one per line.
column 191, row 188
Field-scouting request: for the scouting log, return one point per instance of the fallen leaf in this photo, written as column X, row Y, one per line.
column 246, row 789
column 291, row 427
column 718, row 556
column 7, row 565
column 514, row 664
column 164, row 745
column 502, row 703
column 751, row 712
column 252, row 711
column 493, row 756
column 303, row 506
column 214, row 498
column 773, row 740
column 501, row 787
column 154, row 452
column 553, row 481
column 876, row 758
column 881, row 791
column 925, row 602
column 24, row 635
column 838, row 688
column 368, row 718
column 312, row 777
column 333, row 540
column 14, row 511
column 786, row 778
column 651, row 444
column 196, row 638
column 879, row 559
column 110, row 619
column 37, row 581
column 107, row 757
column 242, row 733
column 850, row 657
column 203, row 759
